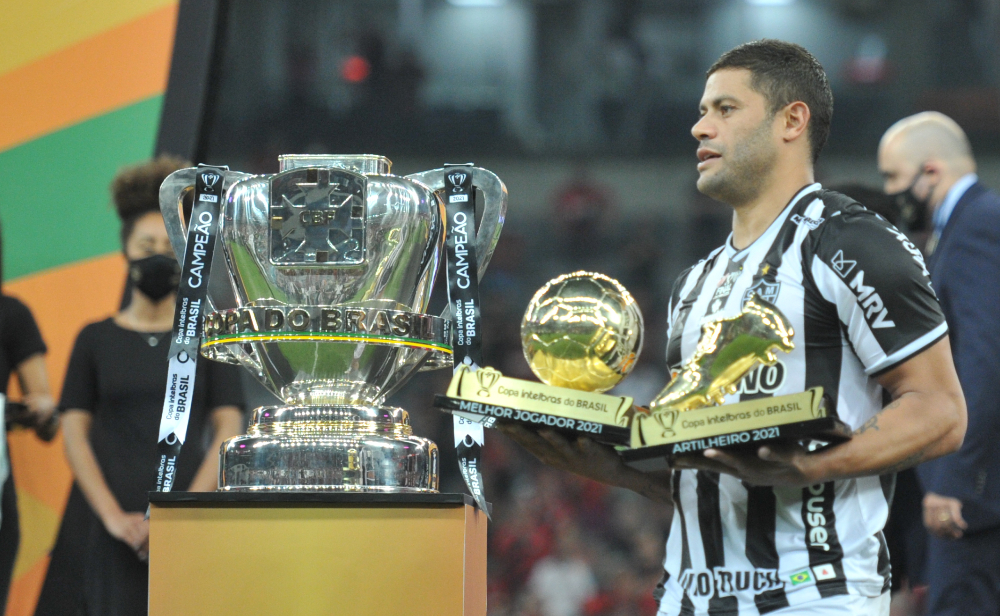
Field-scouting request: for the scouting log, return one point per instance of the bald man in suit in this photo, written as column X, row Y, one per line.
column 926, row 160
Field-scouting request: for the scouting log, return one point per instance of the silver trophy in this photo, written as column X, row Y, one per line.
column 331, row 263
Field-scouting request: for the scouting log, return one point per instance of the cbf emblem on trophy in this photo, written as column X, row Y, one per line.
column 331, row 262
column 317, row 216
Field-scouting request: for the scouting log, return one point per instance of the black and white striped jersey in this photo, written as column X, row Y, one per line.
column 859, row 298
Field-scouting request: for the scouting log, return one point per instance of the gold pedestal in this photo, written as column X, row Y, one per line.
column 316, row 554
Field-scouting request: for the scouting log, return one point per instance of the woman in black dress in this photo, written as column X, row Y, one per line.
column 112, row 399
column 22, row 352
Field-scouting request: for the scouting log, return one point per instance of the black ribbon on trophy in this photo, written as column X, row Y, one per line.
column 463, row 297
column 203, row 226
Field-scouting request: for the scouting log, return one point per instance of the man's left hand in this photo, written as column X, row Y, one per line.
column 779, row 464
column 943, row 516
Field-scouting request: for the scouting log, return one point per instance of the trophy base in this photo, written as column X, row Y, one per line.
column 330, row 488
column 744, row 425
column 329, row 449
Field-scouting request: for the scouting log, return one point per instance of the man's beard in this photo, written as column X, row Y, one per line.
column 742, row 177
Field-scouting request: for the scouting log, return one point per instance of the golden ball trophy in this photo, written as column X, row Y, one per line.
column 582, row 334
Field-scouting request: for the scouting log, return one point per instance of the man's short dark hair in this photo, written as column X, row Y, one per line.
column 785, row 73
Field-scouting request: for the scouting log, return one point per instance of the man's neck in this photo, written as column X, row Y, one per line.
column 751, row 219
column 941, row 191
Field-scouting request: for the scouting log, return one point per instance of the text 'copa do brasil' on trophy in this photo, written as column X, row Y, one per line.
column 327, row 275
column 690, row 414
column 581, row 335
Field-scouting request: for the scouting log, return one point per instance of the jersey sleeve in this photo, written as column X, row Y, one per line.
column 21, row 338
column 80, row 385
column 880, row 286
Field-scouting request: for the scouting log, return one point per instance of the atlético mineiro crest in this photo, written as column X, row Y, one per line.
column 767, row 291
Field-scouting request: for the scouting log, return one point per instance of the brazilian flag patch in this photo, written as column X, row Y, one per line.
column 801, row 577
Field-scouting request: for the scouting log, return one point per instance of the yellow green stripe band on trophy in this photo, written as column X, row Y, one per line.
column 311, row 337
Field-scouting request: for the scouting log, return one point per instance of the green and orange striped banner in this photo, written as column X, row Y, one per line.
column 81, row 89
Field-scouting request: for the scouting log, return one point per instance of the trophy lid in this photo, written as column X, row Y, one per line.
column 358, row 163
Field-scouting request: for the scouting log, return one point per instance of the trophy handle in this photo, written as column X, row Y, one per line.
column 172, row 192
column 494, row 207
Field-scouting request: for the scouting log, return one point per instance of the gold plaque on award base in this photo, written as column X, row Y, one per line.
column 487, row 397
column 670, row 432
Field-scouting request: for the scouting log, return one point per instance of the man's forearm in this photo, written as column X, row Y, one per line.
column 912, row 429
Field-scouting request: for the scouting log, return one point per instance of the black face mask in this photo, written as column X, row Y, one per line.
column 156, row 276
column 911, row 211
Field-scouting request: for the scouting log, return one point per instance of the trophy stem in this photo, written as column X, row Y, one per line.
column 331, row 393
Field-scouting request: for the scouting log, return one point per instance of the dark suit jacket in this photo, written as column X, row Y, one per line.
column 965, row 270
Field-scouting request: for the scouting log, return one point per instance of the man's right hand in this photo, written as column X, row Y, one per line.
column 130, row 528
column 587, row 458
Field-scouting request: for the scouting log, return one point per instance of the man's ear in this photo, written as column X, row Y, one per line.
column 932, row 168
column 795, row 120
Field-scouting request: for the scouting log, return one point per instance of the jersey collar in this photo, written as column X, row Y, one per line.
column 768, row 236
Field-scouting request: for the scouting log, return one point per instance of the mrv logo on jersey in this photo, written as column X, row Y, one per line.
column 871, row 302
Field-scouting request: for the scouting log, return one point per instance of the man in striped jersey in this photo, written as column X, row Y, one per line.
column 783, row 530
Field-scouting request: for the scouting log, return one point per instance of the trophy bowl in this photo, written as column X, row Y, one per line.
column 331, row 263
